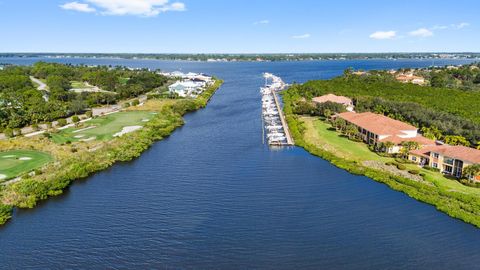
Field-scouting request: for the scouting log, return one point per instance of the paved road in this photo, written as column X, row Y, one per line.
column 41, row 87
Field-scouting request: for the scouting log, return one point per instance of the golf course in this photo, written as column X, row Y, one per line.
column 16, row 162
column 104, row 128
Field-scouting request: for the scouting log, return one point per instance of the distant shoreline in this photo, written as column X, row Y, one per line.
column 253, row 57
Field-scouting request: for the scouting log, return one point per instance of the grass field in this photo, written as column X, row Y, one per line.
column 81, row 85
column 17, row 162
column 319, row 134
column 103, row 128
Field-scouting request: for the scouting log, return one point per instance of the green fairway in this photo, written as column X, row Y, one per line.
column 103, row 128
column 16, row 162
column 81, row 85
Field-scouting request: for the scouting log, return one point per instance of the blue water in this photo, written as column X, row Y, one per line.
column 212, row 196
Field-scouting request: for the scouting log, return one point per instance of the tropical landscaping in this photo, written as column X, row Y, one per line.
column 43, row 164
column 313, row 128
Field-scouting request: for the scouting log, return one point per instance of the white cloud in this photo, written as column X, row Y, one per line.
column 262, row 22
column 439, row 27
column 144, row 8
column 460, row 25
column 421, row 32
column 383, row 35
column 302, row 36
column 77, row 7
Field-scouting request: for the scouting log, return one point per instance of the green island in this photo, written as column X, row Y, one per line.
column 441, row 113
column 33, row 168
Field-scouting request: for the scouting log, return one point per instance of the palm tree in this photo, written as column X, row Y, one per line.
column 408, row 146
column 471, row 171
column 351, row 131
column 388, row 146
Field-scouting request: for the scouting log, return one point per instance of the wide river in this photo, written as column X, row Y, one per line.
column 212, row 196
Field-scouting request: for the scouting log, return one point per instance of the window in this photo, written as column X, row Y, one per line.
column 414, row 158
column 448, row 169
column 448, row 160
column 435, row 165
column 435, row 155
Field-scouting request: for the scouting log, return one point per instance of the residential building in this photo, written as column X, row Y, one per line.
column 187, row 88
column 347, row 102
column 410, row 78
column 377, row 128
column 450, row 160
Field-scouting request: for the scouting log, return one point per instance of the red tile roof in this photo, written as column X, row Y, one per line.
column 377, row 123
column 332, row 98
column 461, row 152
column 458, row 152
column 398, row 140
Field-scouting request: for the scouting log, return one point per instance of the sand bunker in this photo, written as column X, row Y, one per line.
column 25, row 158
column 145, row 120
column 83, row 129
column 78, row 136
column 126, row 130
column 8, row 156
column 2, row 176
column 89, row 139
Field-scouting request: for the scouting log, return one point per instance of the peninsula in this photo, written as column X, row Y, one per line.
column 61, row 122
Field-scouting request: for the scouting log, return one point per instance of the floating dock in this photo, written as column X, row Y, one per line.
column 275, row 128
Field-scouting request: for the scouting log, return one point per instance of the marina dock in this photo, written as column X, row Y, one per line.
column 275, row 128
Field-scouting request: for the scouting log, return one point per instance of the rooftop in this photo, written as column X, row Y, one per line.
column 399, row 140
column 377, row 123
column 332, row 98
column 458, row 152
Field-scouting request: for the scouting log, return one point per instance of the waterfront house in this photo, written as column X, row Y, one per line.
column 376, row 128
column 450, row 160
column 345, row 101
column 186, row 88
column 410, row 78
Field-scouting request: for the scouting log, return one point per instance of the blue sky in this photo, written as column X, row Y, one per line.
column 238, row 26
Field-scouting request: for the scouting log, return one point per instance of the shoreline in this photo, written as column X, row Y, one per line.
column 70, row 167
column 453, row 203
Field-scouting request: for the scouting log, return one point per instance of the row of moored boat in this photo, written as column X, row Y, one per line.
column 274, row 130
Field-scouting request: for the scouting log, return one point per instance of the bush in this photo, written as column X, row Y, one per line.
column 126, row 105
column 390, row 163
column 415, row 172
column 89, row 114
column 75, row 119
column 17, row 132
column 35, row 127
column 9, row 133
column 403, row 161
column 135, row 102
column 61, row 122
column 428, row 168
column 401, row 167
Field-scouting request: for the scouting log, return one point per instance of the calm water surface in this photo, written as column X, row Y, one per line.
column 212, row 196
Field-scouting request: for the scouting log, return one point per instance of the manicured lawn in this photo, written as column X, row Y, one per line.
column 16, row 162
column 103, row 128
column 123, row 80
column 318, row 133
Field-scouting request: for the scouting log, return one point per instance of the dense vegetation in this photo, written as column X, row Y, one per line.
column 456, row 204
column 452, row 111
column 22, row 104
column 56, row 177
column 466, row 77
